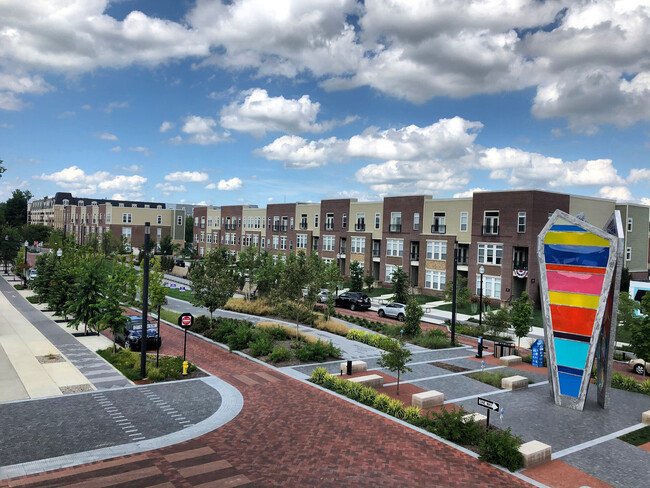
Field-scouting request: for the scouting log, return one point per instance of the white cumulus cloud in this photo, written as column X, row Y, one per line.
column 187, row 177
column 229, row 185
column 165, row 126
column 76, row 180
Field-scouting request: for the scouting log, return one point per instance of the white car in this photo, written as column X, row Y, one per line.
column 33, row 273
column 637, row 366
column 394, row 310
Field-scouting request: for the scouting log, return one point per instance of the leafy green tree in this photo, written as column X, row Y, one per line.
column 396, row 359
column 157, row 288
column 9, row 244
column 213, row 281
column 247, row 266
column 522, row 309
column 189, row 232
column 16, row 208
column 640, row 333
column 369, row 281
column 268, row 274
column 167, row 246
column 87, row 293
column 110, row 243
column 112, row 317
column 400, row 282
column 45, row 267
column 414, row 314
column 35, row 233
column 298, row 275
column 331, row 280
column 63, row 280
column 462, row 291
column 356, row 276
column 625, row 280
column 497, row 322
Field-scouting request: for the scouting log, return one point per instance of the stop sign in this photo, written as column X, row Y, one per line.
column 186, row 320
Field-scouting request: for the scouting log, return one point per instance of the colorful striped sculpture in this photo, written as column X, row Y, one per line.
column 579, row 281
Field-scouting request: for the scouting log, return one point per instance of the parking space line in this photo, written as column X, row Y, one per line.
column 595, row 442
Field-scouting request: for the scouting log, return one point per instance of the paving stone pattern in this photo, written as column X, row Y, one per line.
column 101, row 374
column 292, row 434
column 57, row 426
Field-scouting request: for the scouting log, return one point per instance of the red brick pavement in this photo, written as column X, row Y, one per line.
column 287, row 434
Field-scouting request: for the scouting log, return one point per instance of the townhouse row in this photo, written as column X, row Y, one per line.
column 83, row 217
column 493, row 231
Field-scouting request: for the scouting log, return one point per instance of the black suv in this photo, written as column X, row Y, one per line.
column 354, row 300
column 133, row 334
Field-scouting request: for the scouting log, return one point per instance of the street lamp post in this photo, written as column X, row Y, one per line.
column 25, row 266
column 481, row 270
column 145, row 302
column 5, row 251
column 453, row 299
column 59, row 253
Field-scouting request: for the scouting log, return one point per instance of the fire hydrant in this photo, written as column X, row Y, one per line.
column 185, row 366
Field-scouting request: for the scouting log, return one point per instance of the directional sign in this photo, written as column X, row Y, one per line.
column 186, row 320
column 482, row 402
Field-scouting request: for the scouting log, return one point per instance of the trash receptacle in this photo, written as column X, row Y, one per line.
column 503, row 349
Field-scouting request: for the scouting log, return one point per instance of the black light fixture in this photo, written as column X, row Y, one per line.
column 481, row 270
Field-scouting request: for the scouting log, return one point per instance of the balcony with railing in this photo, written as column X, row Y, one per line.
column 415, row 256
column 360, row 227
column 395, row 228
column 491, row 230
column 376, row 253
column 329, row 226
column 303, row 225
column 438, row 229
column 519, row 264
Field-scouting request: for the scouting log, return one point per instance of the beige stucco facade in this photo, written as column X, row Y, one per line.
column 453, row 209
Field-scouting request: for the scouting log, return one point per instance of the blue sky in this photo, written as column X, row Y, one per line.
column 252, row 102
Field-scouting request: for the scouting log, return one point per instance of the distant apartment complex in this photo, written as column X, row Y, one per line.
column 82, row 217
column 496, row 230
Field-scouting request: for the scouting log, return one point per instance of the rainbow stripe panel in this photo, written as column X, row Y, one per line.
column 576, row 261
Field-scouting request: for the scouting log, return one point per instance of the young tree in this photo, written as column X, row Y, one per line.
column 414, row 314
column 45, row 266
column 267, row 274
column 356, row 276
column 9, row 244
column 110, row 243
column 400, row 282
column 331, row 279
column 395, row 359
column 212, row 281
column 63, row 281
column 87, row 293
column 247, row 265
column 462, row 292
column 167, row 246
column 111, row 317
column 35, row 232
column 640, row 333
column 497, row 322
column 369, row 281
column 299, row 274
column 522, row 309
column 16, row 208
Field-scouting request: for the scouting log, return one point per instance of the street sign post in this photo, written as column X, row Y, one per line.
column 186, row 320
column 490, row 405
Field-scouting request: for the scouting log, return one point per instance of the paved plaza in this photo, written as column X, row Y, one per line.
column 249, row 424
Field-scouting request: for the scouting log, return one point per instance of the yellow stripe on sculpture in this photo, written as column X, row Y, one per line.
column 575, row 239
column 573, row 299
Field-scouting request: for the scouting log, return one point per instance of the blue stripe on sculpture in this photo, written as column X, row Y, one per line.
column 567, row 370
column 567, row 228
column 571, row 353
column 569, row 384
column 572, row 337
column 576, row 255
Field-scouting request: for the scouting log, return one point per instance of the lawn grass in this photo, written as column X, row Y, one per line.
column 169, row 316
column 421, row 299
column 637, row 437
column 181, row 295
column 493, row 379
column 467, row 310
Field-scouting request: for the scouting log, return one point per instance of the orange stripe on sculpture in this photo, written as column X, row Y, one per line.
column 574, row 320
column 576, row 269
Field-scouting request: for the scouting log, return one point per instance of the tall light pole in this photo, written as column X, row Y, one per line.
column 25, row 266
column 453, row 299
column 145, row 302
column 481, row 270
column 5, row 251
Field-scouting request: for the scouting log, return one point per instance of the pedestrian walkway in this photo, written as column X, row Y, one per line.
column 98, row 372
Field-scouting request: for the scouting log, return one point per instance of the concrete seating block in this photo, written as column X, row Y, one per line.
column 645, row 417
column 535, row 453
column 371, row 380
column 514, row 382
column 509, row 360
column 427, row 399
column 357, row 367
column 476, row 417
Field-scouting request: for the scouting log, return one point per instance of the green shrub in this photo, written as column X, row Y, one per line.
column 315, row 351
column 279, row 353
column 501, row 447
column 277, row 333
column 412, row 414
column 433, row 339
column 262, row 345
column 240, row 337
column 154, row 374
column 289, row 311
column 201, row 324
column 353, row 390
column 368, row 395
column 318, row 375
column 493, row 379
column 381, row 402
column 172, row 366
column 395, row 408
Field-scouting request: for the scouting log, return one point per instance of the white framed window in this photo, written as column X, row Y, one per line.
column 126, row 232
column 276, row 242
column 179, row 220
column 395, row 247
column 491, row 286
column 630, row 223
column 256, row 240
column 491, row 222
column 291, row 223
column 201, row 251
column 390, row 269
column 328, row 243
column 228, row 239
column 202, row 236
column 108, row 218
column 328, row 260
column 435, row 280
column 344, row 220
column 490, row 254
column 158, row 233
column 358, row 245
column 628, row 254
column 316, row 221
column 416, row 221
column 263, row 242
column 159, row 219
column 283, row 242
column 209, row 238
column 301, row 241
column 329, row 221
column 521, row 222
column 377, row 221
column 437, row 250
column 127, row 218
column 464, row 221
column 196, row 221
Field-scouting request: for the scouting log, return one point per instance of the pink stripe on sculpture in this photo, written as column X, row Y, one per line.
column 590, row 284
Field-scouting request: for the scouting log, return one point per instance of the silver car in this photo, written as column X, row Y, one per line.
column 394, row 310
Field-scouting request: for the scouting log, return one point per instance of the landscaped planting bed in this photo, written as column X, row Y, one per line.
column 494, row 446
column 169, row 367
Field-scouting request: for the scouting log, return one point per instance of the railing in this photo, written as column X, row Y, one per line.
column 303, row 225
column 395, row 228
column 491, row 230
column 360, row 227
column 342, row 250
column 438, row 229
column 415, row 256
column 276, row 227
column 520, row 265
column 463, row 262
column 283, row 228
column 376, row 253
column 329, row 226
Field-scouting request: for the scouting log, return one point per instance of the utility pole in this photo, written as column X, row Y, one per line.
column 145, row 302
column 453, row 300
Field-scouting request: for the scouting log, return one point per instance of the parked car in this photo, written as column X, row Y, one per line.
column 132, row 334
column 637, row 366
column 323, row 295
column 33, row 273
column 354, row 300
column 394, row 310
column 179, row 262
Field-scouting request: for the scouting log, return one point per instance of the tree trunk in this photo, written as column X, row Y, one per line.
column 398, row 382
